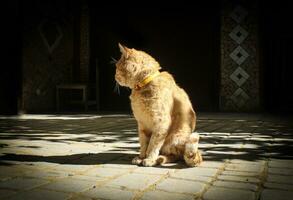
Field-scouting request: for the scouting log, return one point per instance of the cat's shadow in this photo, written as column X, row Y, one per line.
column 80, row 159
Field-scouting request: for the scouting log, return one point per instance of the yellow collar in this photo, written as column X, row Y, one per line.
column 146, row 80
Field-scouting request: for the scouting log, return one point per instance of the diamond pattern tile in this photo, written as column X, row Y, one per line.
column 239, row 55
column 238, row 14
column 238, row 34
column 239, row 97
column 239, row 76
column 51, row 34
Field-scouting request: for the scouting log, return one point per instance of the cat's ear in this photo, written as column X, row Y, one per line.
column 123, row 50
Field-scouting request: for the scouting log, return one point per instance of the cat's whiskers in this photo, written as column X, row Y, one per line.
column 113, row 61
column 117, row 88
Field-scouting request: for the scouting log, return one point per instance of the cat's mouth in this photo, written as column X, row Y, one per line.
column 118, row 80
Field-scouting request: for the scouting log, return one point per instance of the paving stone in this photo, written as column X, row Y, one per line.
column 22, row 183
column 47, row 174
column 134, row 181
column 281, row 163
column 109, row 193
column 40, row 165
column 10, row 172
column 4, row 177
column 240, row 161
column 280, row 179
column 239, row 173
column 100, row 158
column 260, row 139
column 200, row 174
column 250, row 146
column 206, row 179
column 153, row 170
column 70, row 185
column 19, row 166
column 96, row 179
column 180, row 186
column 106, row 172
column 224, row 153
column 81, row 197
column 245, row 167
column 236, row 185
column 239, row 179
column 5, row 193
column 268, row 194
column 211, row 164
column 81, row 146
column 278, row 186
column 218, row 193
column 281, row 171
column 40, row 194
column 122, row 164
column 239, row 137
column 72, row 168
column 157, row 194
column 225, row 144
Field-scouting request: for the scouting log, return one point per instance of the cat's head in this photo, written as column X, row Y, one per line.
column 134, row 66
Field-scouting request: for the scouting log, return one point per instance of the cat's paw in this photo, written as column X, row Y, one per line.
column 193, row 160
column 137, row 160
column 149, row 162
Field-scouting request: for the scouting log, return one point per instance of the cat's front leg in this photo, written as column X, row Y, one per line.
column 156, row 142
column 144, row 141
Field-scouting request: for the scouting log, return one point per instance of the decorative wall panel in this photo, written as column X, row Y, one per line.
column 239, row 59
column 47, row 56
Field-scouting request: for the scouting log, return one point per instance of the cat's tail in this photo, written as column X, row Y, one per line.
column 192, row 156
column 162, row 159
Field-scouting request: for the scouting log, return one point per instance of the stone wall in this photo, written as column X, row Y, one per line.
column 50, row 55
column 239, row 89
column 84, row 44
column 47, row 53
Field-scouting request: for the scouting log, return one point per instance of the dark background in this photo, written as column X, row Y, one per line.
column 276, row 40
column 184, row 38
column 185, row 41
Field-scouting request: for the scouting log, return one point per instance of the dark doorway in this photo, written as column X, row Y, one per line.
column 185, row 39
column 11, row 44
column 277, row 41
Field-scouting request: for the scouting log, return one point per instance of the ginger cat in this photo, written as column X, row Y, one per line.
column 163, row 111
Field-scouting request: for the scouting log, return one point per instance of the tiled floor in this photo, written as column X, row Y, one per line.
column 89, row 157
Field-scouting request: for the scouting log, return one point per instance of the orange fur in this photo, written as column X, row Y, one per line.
column 162, row 109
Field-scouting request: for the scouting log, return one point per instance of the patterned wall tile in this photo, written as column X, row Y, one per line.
column 238, row 34
column 47, row 61
column 239, row 55
column 239, row 76
column 238, row 14
column 240, row 97
column 51, row 34
column 239, row 58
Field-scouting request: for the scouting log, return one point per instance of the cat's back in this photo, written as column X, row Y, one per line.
column 164, row 82
column 167, row 76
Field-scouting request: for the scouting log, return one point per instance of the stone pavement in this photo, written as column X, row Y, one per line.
column 246, row 157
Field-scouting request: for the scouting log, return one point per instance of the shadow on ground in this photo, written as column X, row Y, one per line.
column 75, row 159
column 221, row 139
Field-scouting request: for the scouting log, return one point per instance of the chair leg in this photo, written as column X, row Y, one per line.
column 85, row 99
column 57, row 99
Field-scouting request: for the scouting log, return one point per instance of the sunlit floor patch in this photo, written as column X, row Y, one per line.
column 89, row 156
